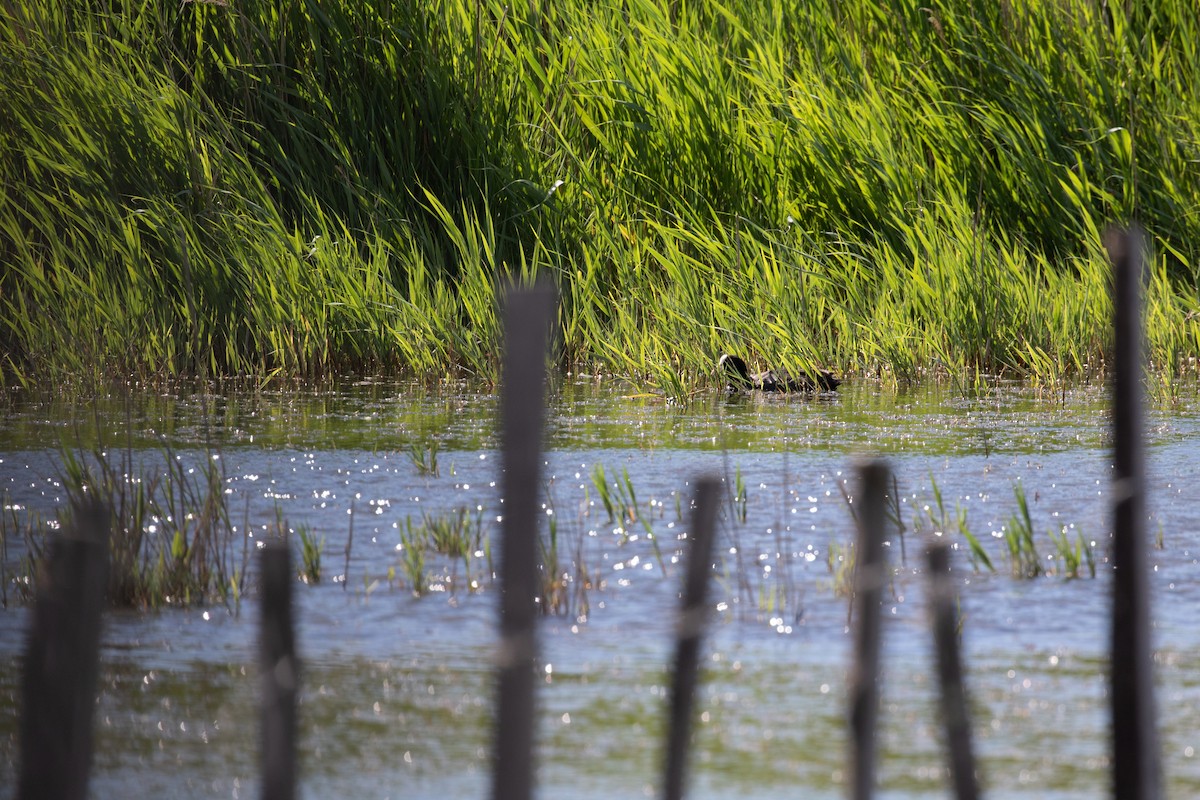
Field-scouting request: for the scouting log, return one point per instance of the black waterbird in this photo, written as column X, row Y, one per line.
column 774, row 380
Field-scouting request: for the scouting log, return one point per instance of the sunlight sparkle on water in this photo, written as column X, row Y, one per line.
column 443, row 639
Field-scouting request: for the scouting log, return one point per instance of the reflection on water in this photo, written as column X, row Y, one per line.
column 397, row 689
column 378, row 416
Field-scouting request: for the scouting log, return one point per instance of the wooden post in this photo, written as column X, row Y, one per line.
column 956, row 717
column 692, row 617
column 280, row 674
column 522, row 400
column 870, row 574
column 62, row 660
column 1135, row 741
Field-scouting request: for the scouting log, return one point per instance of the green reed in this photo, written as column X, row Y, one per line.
column 941, row 524
column 412, row 559
column 1073, row 556
column 311, row 550
column 618, row 498
column 881, row 187
column 172, row 541
column 606, row 494
column 761, row 586
column 456, row 535
column 1018, row 536
column 1068, row 557
column 25, row 531
column 425, row 458
column 841, row 560
column 740, row 497
column 555, row 581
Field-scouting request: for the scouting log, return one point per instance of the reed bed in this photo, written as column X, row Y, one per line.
column 882, row 187
column 173, row 541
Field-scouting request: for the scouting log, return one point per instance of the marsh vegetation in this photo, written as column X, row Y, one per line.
column 174, row 540
column 204, row 189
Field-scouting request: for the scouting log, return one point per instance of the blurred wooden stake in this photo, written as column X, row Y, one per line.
column 280, row 674
column 692, row 618
column 870, row 574
column 528, row 315
column 1136, row 771
column 956, row 716
column 62, row 660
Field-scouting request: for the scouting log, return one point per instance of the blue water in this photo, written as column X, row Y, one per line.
column 397, row 689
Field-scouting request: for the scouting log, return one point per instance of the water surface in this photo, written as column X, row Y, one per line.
column 397, row 689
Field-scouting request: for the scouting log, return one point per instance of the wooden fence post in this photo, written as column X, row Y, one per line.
column 956, row 717
column 62, row 660
column 280, row 674
column 692, row 617
column 528, row 315
column 1134, row 736
column 870, row 575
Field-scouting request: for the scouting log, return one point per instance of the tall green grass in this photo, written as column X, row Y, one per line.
column 882, row 186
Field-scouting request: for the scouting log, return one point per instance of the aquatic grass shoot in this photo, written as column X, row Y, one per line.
column 172, row 541
column 311, row 550
column 425, row 458
column 841, row 562
column 1023, row 557
column 739, row 498
column 26, row 530
column 942, row 524
column 1069, row 557
column 412, row 559
column 975, row 552
column 565, row 579
column 605, row 495
column 554, row 590
column 457, row 536
column 1072, row 555
column 433, row 548
column 760, row 586
column 618, row 498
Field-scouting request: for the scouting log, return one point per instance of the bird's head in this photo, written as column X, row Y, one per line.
column 735, row 371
